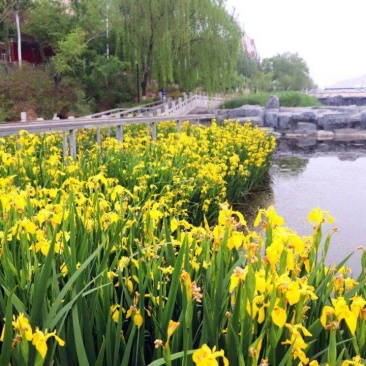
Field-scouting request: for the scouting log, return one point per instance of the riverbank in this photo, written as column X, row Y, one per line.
column 299, row 121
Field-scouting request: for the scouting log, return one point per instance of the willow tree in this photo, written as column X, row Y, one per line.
column 192, row 43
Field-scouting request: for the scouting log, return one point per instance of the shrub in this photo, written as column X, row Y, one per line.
column 31, row 90
column 110, row 82
column 287, row 99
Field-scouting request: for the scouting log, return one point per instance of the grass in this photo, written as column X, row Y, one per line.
column 287, row 99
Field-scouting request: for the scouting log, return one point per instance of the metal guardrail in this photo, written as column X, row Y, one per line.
column 149, row 114
column 167, row 107
column 124, row 112
column 337, row 91
column 70, row 126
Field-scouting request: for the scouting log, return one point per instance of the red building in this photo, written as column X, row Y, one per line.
column 30, row 51
column 249, row 45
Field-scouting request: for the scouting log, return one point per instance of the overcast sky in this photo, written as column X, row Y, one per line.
column 330, row 35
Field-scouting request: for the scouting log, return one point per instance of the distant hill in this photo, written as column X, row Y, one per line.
column 350, row 83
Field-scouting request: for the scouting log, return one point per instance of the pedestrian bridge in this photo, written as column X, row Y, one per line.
column 149, row 114
column 184, row 105
column 340, row 96
column 343, row 92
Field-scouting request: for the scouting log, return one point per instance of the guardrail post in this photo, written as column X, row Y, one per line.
column 64, row 144
column 153, row 135
column 119, row 132
column 99, row 140
column 179, row 127
column 72, row 143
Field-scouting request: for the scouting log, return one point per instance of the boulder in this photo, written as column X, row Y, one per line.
column 305, row 127
column 349, row 109
column 363, row 119
column 332, row 121
column 285, row 121
column 246, row 111
column 273, row 102
column 354, row 118
column 257, row 121
column 271, row 131
column 305, row 115
column 271, row 118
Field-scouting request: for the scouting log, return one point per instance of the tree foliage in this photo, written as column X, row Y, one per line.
column 69, row 51
column 108, row 81
column 192, row 43
column 287, row 71
column 184, row 43
column 48, row 22
column 6, row 6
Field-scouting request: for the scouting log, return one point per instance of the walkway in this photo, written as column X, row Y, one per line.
column 181, row 106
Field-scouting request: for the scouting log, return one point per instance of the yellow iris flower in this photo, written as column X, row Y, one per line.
column 39, row 340
column 205, row 357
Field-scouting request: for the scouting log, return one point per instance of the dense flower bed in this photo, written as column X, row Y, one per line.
column 130, row 255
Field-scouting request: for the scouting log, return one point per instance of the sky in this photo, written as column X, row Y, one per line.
column 330, row 35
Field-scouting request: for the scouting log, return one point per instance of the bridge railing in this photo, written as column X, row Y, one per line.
column 124, row 112
column 70, row 126
column 337, row 91
column 165, row 107
column 150, row 114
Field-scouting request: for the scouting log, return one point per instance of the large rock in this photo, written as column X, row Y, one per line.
column 355, row 120
column 349, row 109
column 305, row 115
column 246, row 111
column 285, row 121
column 255, row 120
column 271, row 118
column 288, row 119
column 305, row 127
column 273, row 102
column 363, row 119
column 333, row 120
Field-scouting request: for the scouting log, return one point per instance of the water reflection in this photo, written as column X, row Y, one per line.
column 329, row 175
column 312, row 147
column 290, row 165
column 255, row 201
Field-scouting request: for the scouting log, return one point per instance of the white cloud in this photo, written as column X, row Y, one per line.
column 328, row 34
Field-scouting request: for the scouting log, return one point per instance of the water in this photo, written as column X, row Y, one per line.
column 331, row 176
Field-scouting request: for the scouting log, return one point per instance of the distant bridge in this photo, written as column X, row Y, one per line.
column 340, row 96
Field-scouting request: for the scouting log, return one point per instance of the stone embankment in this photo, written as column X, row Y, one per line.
column 323, row 122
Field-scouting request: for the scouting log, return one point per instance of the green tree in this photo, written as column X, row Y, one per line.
column 109, row 81
column 287, row 71
column 48, row 22
column 186, row 42
column 10, row 17
column 192, row 43
column 68, row 53
column 6, row 6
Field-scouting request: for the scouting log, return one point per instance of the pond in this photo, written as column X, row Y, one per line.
column 329, row 175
